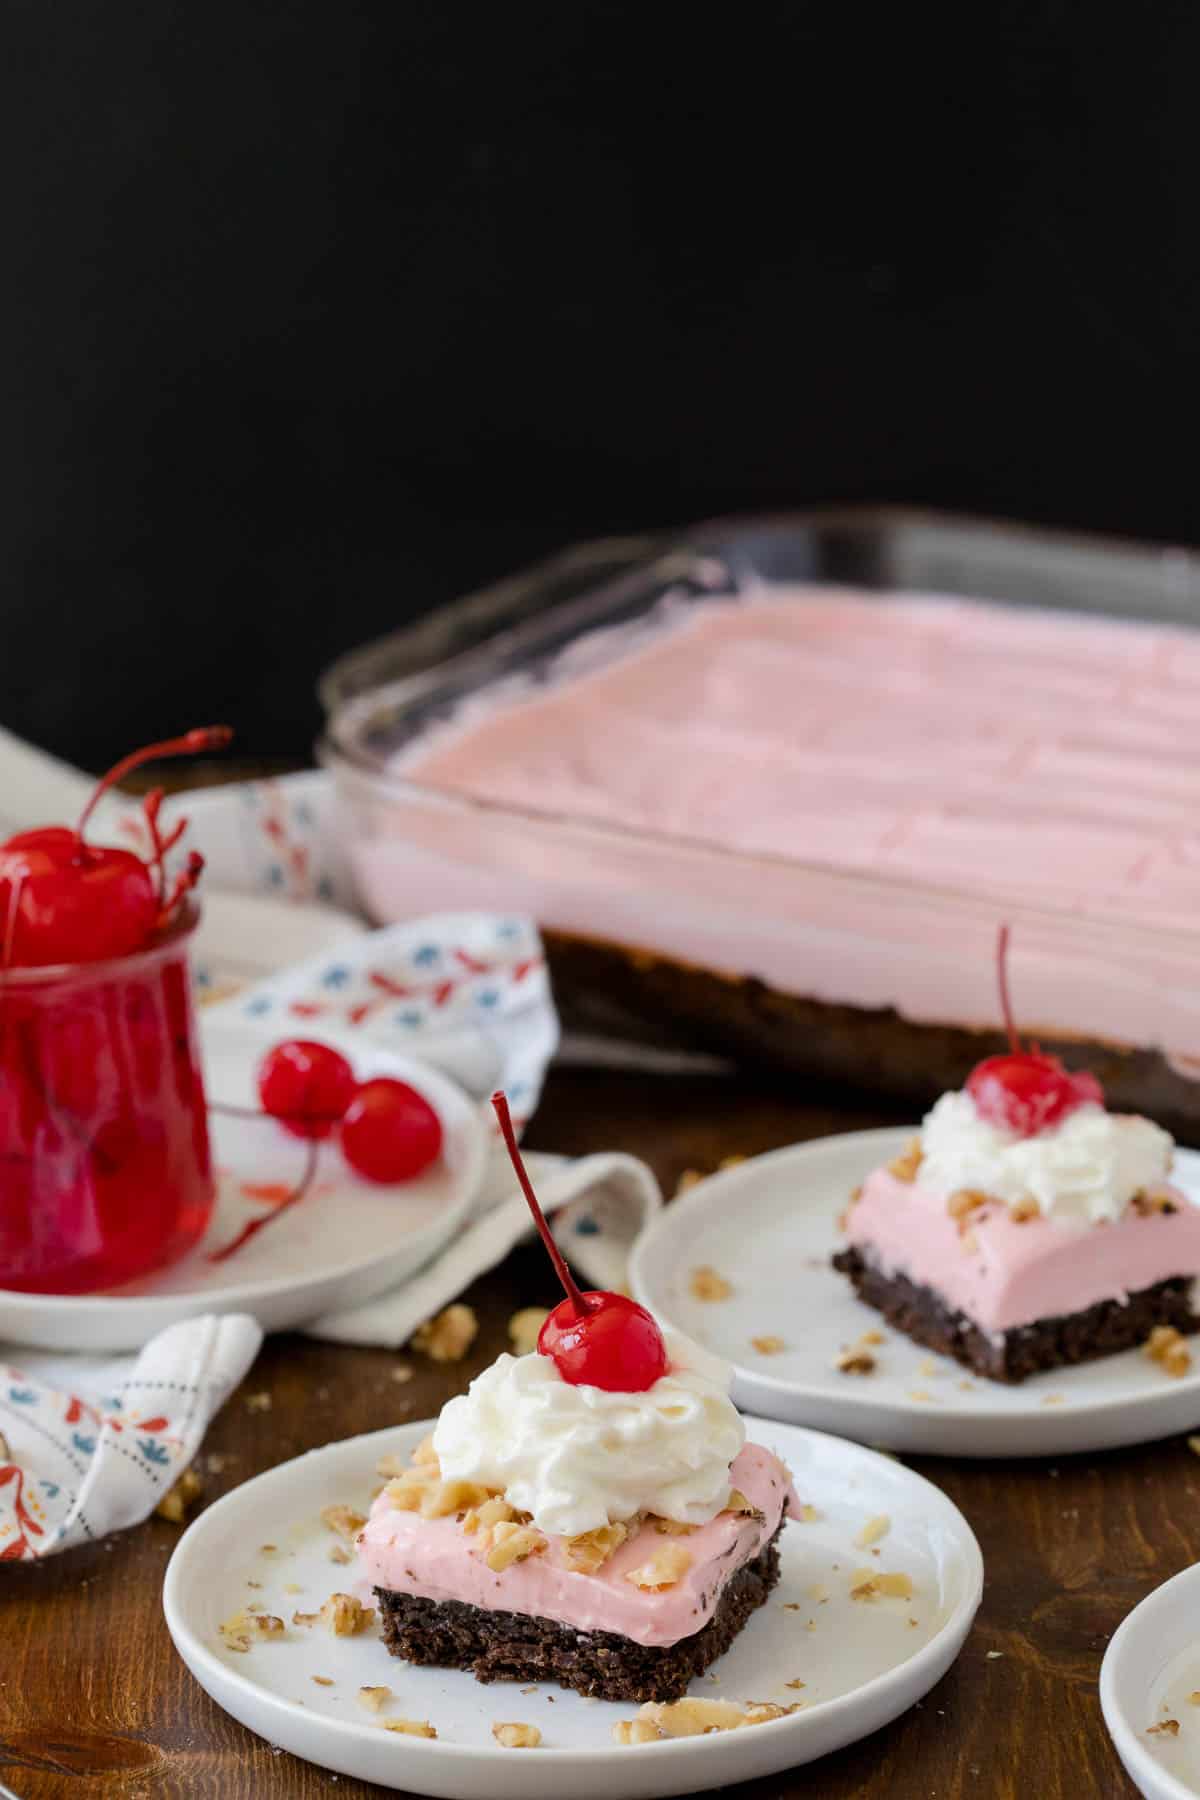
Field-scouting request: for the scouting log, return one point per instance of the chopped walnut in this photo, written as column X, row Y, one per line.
column 705, row 1283
column 174, row 1504
column 410, row 1727
column 1152, row 1200
column 873, row 1584
column 964, row 1202
column 808, row 1513
column 442, row 1497
column 904, row 1167
column 873, row 1530
column 513, row 1543
column 1169, row 1726
column 495, row 1511
column 323, row 1680
column 872, row 1337
column 374, row 1698
column 768, row 1345
column 517, row 1737
column 761, row 1712
column 1168, row 1348
column 669, row 1527
column 343, row 1520
column 795, row 1684
column 1194, row 1697
column 425, row 1456
column 238, row 1631
column 340, row 1554
column 590, row 1550
column 524, row 1328
column 691, row 1717
column 256, row 1403
column 636, row 1731
column 1023, row 1210
column 346, row 1616
column 300, row 1618
column 738, row 1503
column 663, row 1569
column 855, row 1362
column 448, row 1336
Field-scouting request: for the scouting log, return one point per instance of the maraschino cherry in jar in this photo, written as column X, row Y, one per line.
column 105, row 1169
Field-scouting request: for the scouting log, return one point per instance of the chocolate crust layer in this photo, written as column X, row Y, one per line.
column 507, row 1646
column 616, row 988
column 1051, row 1343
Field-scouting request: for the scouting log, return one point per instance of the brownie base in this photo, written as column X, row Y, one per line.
column 1051, row 1343
column 611, row 988
column 508, row 1646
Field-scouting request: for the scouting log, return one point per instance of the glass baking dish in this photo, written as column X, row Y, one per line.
column 873, row 977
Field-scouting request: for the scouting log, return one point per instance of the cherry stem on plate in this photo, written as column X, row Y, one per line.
column 205, row 737
column 500, row 1102
column 253, row 1226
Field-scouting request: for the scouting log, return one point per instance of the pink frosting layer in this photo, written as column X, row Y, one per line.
column 436, row 1560
column 991, row 756
column 1018, row 1272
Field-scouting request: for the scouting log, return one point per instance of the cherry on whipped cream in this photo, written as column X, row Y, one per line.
column 63, row 900
column 594, row 1339
column 1026, row 1091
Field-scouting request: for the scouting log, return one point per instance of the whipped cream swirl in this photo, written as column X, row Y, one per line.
column 1089, row 1167
column 580, row 1457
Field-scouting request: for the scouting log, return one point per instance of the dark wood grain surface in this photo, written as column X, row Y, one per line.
column 93, row 1700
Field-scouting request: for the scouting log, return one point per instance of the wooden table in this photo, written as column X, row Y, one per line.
column 94, row 1701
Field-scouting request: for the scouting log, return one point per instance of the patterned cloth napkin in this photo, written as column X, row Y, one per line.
column 79, row 1461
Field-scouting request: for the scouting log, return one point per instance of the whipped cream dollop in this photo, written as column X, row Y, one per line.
column 1089, row 1166
column 580, row 1457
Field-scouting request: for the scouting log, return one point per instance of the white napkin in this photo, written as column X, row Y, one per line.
column 88, row 1448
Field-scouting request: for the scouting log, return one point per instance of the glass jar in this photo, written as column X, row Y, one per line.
column 105, row 1168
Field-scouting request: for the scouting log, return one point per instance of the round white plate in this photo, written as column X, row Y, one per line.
column 1148, row 1672
column 863, row 1663
column 770, row 1227
column 344, row 1242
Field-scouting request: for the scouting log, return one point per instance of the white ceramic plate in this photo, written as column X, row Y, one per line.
column 244, row 937
column 1149, row 1669
column 770, row 1227
column 863, row 1663
column 345, row 1242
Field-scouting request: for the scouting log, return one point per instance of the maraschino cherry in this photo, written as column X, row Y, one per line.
column 63, row 900
column 1026, row 1091
column 595, row 1339
column 307, row 1086
column 390, row 1132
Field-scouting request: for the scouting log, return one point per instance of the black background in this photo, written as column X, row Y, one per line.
column 313, row 316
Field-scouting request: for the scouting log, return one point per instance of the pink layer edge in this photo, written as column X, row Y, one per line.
column 435, row 1560
column 1002, row 1273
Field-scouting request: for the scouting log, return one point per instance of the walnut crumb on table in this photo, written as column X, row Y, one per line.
column 174, row 1504
column 449, row 1335
column 403, row 1372
column 524, row 1327
column 258, row 1403
column 516, row 1736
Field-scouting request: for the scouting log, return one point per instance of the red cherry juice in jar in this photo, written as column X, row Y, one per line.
column 105, row 1170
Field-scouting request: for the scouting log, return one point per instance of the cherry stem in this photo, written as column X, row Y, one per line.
column 500, row 1102
column 205, row 737
column 253, row 1226
column 1010, row 1025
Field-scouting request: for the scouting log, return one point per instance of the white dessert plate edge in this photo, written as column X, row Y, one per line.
column 1161, row 1628
column 463, row 1771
